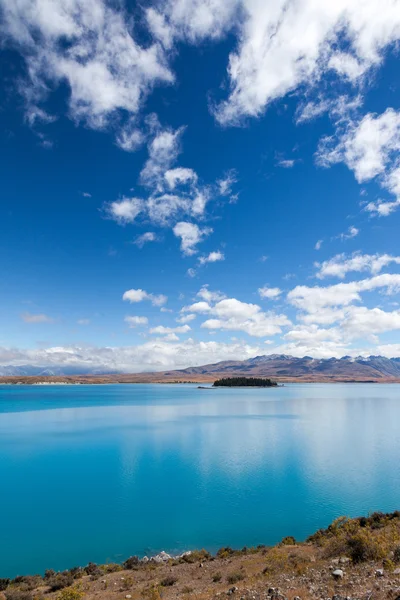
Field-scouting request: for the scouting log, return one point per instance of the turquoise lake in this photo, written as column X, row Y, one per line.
column 99, row 473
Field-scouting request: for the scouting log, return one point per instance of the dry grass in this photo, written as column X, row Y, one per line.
column 303, row 570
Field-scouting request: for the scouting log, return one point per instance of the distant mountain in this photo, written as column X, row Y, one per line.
column 282, row 366
column 28, row 370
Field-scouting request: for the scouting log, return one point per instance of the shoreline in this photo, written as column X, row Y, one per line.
column 343, row 561
column 101, row 380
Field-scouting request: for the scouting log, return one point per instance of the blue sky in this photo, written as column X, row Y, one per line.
column 184, row 182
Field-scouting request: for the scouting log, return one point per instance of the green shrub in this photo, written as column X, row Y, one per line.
column 27, row 583
column 363, row 547
column 226, row 552
column 77, row 572
column 60, row 581
column 235, row 577
column 4, row 583
column 196, row 556
column 289, row 540
column 131, row 562
column 13, row 594
column 396, row 554
column 217, row 577
column 70, row 593
column 187, row 589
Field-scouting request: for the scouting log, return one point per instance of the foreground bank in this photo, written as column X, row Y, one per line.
column 351, row 559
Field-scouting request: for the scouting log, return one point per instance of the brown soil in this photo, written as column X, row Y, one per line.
column 287, row 571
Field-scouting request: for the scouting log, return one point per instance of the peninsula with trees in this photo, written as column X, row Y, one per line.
column 244, row 382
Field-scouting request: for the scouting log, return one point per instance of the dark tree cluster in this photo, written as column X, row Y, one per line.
column 244, row 382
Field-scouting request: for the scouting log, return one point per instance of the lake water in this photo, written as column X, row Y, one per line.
column 98, row 473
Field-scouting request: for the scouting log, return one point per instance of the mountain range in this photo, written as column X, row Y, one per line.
column 281, row 367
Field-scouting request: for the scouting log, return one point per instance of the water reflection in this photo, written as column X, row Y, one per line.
column 125, row 469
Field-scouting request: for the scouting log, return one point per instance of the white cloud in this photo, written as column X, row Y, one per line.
column 135, row 321
column 163, row 150
column 191, row 20
column 269, row 293
column 36, row 318
column 232, row 314
column 161, row 330
column 210, row 296
column 314, row 299
column 341, row 264
column 186, row 318
column 144, row 238
column 351, row 233
column 370, row 149
column 297, row 42
column 89, row 45
column 225, row 184
column 179, row 175
column 361, row 322
column 154, row 355
column 287, row 163
column 190, row 235
column 318, row 245
column 339, row 108
column 191, row 272
column 124, row 211
column 139, row 295
column 129, row 136
column 197, row 307
column 212, row 257
column 171, row 337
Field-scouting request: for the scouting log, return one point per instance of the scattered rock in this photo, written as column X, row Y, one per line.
column 379, row 573
column 338, row 574
column 344, row 560
column 128, row 597
column 160, row 558
column 145, row 559
column 232, row 590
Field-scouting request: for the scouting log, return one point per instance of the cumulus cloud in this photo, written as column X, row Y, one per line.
column 161, row 330
column 314, row 299
column 191, row 235
column 186, row 318
column 88, row 44
column 232, row 314
column 210, row 295
column 341, row 264
column 212, row 257
column 139, row 295
column 296, row 43
column 154, row 355
column 125, row 211
column 144, row 238
column 129, row 136
column 134, row 321
column 172, row 193
column 269, row 293
column 108, row 70
column 351, row 233
column 369, row 148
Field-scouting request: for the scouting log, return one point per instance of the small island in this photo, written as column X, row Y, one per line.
column 244, row 382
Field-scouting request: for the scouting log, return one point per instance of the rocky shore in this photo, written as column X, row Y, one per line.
column 353, row 559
